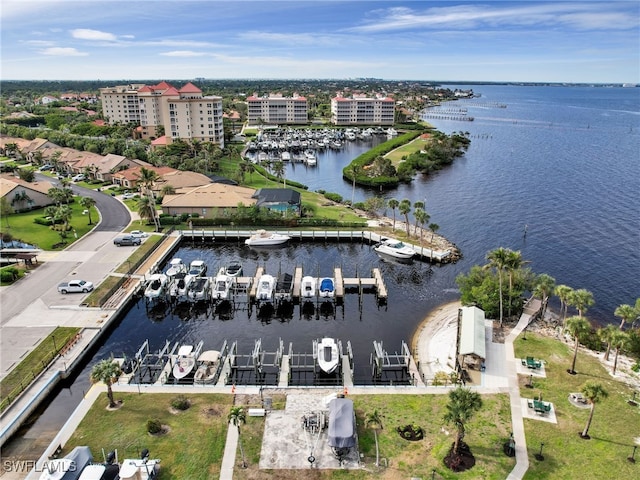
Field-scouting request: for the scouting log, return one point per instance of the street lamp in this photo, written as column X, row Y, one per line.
column 539, row 455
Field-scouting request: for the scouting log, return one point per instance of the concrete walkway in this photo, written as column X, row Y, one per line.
column 229, row 457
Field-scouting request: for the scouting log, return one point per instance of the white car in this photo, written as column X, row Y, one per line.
column 138, row 234
column 128, row 195
column 78, row 178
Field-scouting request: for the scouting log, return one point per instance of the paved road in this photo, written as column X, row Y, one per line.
column 33, row 307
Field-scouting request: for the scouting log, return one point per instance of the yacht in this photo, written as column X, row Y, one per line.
column 263, row 238
column 395, row 248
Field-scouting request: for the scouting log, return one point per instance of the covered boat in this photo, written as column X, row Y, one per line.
column 207, row 366
column 395, row 248
column 342, row 426
column 327, row 288
column 68, row 468
column 263, row 238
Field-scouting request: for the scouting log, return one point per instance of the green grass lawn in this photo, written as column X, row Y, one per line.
column 415, row 145
column 614, row 427
column 22, row 227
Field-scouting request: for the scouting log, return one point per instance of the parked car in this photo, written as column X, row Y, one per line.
column 127, row 240
column 75, row 286
column 78, row 178
column 138, row 234
column 128, row 195
column 46, row 167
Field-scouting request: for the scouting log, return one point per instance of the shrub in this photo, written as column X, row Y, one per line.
column 154, row 426
column 334, row 197
column 180, row 403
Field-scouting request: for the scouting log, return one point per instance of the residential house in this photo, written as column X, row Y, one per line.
column 283, row 200
column 24, row 195
column 208, row 201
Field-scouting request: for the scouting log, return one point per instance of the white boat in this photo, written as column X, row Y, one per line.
column 197, row 268
column 139, row 469
column 176, row 266
column 328, row 354
column 308, row 287
column 266, row 287
column 263, row 238
column 156, row 286
column 207, row 366
column 222, row 285
column 310, row 157
column 395, row 248
column 286, row 156
column 200, row 289
column 234, row 269
column 184, row 363
column 180, row 286
column 69, row 467
column 326, row 288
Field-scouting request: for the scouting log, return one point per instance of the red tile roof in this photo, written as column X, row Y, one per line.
column 171, row 91
column 190, row 88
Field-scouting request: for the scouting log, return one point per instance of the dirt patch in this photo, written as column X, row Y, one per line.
column 211, row 411
column 412, row 433
column 164, row 430
column 460, row 461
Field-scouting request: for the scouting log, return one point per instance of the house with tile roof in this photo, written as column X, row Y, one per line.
column 22, row 195
column 208, row 201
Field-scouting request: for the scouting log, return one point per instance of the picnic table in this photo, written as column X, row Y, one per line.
column 532, row 363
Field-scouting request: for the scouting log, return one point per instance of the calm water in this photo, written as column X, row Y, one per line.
column 563, row 161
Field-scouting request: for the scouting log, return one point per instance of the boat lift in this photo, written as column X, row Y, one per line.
column 394, row 367
column 150, row 365
column 259, row 363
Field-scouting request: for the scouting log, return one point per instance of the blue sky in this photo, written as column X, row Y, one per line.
column 554, row 41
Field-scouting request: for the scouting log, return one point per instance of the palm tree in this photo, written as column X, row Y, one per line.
column 606, row 335
column 106, row 371
column 5, row 209
column 563, row 292
column 147, row 178
column 417, row 205
column 88, row 203
column 578, row 327
column 594, row 392
column 393, row 204
column 404, row 208
column 498, row 259
column 168, row 190
column 278, row 171
column 374, row 420
column 434, row 227
column 463, row 403
column 146, row 208
column 582, row 299
column 545, row 285
column 513, row 263
column 237, row 417
column 618, row 339
column 626, row 312
column 422, row 217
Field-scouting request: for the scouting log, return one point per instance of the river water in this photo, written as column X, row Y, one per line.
column 563, row 161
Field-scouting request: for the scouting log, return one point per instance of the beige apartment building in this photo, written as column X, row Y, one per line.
column 182, row 113
column 360, row 110
column 275, row 109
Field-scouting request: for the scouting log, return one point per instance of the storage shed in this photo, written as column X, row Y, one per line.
column 471, row 350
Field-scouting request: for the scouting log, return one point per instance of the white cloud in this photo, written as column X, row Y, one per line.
column 63, row 52
column 183, row 53
column 89, row 34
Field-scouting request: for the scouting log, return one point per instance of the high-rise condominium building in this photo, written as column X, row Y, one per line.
column 275, row 109
column 359, row 110
column 183, row 113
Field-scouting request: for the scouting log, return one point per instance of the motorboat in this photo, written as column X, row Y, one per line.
column 185, row 361
column 263, row 238
column 310, row 157
column 156, row 286
column 266, row 287
column 180, row 286
column 327, row 288
column 139, row 469
column 308, row 287
column 197, row 268
column 234, row 269
column 207, row 366
column 222, row 285
column 199, row 289
column 176, row 266
column 395, row 248
column 69, row 467
column 328, row 354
